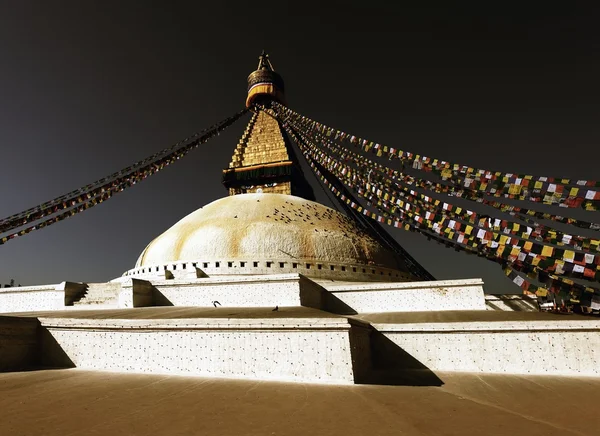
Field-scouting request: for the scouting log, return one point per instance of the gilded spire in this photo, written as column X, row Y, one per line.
column 263, row 160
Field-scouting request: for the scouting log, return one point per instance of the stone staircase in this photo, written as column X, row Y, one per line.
column 100, row 295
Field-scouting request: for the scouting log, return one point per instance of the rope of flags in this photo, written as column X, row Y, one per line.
column 575, row 290
column 571, row 265
column 555, row 285
column 398, row 223
column 98, row 194
column 546, row 190
column 517, row 211
column 580, row 265
column 537, row 232
column 525, row 262
column 74, row 197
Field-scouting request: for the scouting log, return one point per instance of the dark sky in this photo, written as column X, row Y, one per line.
column 87, row 88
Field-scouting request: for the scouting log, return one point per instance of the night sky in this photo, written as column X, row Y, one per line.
column 87, row 88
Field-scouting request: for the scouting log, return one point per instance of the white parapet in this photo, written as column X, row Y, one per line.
column 39, row 298
column 30, row 298
column 305, row 349
column 464, row 294
column 241, row 291
column 535, row 346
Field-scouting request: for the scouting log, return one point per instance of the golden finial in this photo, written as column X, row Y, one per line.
column 264, row 83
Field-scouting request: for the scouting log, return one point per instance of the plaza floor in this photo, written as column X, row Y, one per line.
column 76, row 402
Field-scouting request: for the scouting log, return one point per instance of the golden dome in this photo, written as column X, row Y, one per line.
column 273, row 228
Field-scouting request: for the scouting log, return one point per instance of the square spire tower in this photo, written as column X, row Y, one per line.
column 264, row 160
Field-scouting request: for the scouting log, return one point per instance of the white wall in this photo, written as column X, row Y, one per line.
column 518, row 347
column 242, row 291
column 31, row 298
column 307, row 350
column 466, row 294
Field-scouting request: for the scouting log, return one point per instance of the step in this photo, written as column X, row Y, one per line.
column 106, row 294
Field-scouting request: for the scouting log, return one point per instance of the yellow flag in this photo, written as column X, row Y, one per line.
column 515, row 189
column 547, row 251
column 573, row 192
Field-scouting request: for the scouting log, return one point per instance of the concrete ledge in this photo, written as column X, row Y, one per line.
column 312, row 324
column 529, row 326
column 466, row 294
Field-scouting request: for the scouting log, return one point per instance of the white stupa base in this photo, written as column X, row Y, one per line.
column 498, row 342
column 290, row 289
column 302, row 344
column 304, row 348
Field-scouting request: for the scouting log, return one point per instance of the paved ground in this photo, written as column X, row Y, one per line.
column 76, row 402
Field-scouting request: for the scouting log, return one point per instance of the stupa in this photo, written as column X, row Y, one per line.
column 268, row 284
column 283, row 232
column 258, row 233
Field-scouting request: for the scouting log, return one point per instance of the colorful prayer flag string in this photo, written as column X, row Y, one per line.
column 546, row 190
column 520, row 255
column 101, row 193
